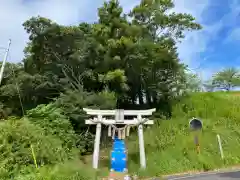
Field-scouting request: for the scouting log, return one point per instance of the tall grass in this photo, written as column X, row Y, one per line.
column 170, row 145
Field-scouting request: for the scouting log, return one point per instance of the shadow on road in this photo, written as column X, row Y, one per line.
column 230, row 175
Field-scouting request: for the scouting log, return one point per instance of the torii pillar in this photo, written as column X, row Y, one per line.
column 97, row 143
column 141, row 144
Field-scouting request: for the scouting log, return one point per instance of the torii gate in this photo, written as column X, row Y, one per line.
column 119, row 119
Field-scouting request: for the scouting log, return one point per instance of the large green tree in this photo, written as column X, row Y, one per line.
column 132, row 55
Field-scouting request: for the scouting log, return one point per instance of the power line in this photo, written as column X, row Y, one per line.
column 4, row 61
column 17, row 87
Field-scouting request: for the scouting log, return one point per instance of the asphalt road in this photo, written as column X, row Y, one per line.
column 233, row 175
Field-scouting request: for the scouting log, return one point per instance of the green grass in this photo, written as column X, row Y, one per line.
column 170, row 145
column 72, row 170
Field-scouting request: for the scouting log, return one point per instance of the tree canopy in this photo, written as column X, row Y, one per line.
column 227, row 79
column 131, row 57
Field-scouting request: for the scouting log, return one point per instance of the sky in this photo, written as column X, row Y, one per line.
column 206, row 51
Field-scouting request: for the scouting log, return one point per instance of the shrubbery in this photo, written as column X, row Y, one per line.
column 17, row 137
column 53, row 122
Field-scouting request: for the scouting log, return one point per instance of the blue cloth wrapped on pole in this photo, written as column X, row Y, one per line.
column 118, row 156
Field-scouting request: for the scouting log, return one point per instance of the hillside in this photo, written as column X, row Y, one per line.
column 170, row 145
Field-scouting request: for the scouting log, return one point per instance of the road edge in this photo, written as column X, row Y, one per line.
column 202, row 173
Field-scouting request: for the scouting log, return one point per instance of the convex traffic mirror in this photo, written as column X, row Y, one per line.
column 195, row 124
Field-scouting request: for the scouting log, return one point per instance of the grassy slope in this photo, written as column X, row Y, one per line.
column 170, row 146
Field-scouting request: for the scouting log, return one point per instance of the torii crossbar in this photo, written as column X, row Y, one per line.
column 119, row 119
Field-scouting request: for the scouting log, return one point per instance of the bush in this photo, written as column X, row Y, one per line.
column 52, row 120
column 16, row 139
column 73, row 102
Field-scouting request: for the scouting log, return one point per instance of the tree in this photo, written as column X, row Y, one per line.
column 227, row 79
column 162, row 76
column 193, row 83
column 132, row 58
column 209, row 86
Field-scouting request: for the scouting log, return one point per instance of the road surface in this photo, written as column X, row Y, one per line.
column 230, row 175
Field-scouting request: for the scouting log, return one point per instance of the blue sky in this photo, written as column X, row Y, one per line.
column 206, row 51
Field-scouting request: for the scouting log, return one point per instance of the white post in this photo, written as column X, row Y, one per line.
column 97, row 143
column 220, row 146
column 4, row 61
column 141, row 144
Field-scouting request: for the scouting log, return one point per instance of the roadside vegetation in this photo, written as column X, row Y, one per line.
column 170, row 144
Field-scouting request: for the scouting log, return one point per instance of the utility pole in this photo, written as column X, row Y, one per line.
column 4, row 61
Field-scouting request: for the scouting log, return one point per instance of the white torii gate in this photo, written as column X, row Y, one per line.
column 119, row 119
